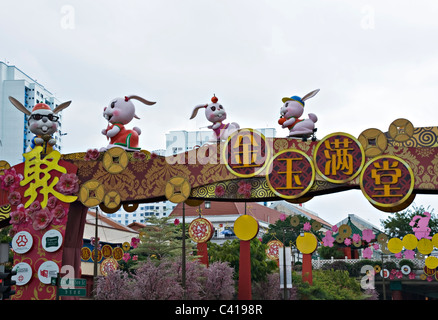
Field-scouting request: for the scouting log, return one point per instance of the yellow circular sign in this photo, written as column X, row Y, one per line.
column 425, row 246
column 431, row 262
column 395, row 245
column 246, row 227
column 307, row 243
column 410, row 242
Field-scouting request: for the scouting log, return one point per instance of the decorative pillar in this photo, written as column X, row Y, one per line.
column 203, row 253
column 307, row 268
column 245, row 271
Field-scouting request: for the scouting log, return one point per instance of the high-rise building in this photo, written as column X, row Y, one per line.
column 15, row 135
column 182, row 141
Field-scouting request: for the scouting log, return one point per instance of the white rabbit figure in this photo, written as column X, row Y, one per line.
column 120, row 112
column 215, row 113
column 42, row 122
column 292, row 109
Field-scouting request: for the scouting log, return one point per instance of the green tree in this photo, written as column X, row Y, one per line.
column 397, row 225
column 328, row 285
column 229, row 251
column 284, row 231
column 160, row 239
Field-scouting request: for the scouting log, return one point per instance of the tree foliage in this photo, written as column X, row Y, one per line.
column 397, row 224
column 161, row 280
column 161, row 239
column 229, row 251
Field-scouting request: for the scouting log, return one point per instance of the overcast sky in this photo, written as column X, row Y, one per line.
column 374, row 61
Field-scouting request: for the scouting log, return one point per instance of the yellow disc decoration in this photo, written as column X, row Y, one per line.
column 410, row 242
column 431, row 262
column 115, row 160
column 395, row 245
column 435, row 240
column 4, row 165
column 425, row 246
column 307, row 243
column 401, row 130
column 373, row 141
column 177, row 189
column 91, row 193
column 246, row 227
column 294, row 221
column 112, row 199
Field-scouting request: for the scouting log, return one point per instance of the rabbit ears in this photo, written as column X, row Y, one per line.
column 310, row 95
column 17, row 104
column 149, row 103
column 195, row 110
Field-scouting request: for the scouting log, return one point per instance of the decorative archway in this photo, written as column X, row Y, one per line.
column 390, row 168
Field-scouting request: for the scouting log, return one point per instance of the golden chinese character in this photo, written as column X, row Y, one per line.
column 245, row 151
column 292, row 177
column 337, row 154
column 386, row 175
column 37, row 175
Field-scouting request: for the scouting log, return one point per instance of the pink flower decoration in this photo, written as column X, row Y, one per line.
column 398, row 255
column 409, row 254
column 335, row 228
column 34, row 206
column 18, row 216
column 51, row 202
column 368, row 235
column 347, row 241
column 367, row 253
column 58, row 213
column 139, row 155
column 14, row 198
column 328, row 240
column 376, row 246
column 307, row 226
column 219, row 191
column 126, row 257
column 399, row 274
column 356, row 237
column 135, row 242
column 176, row 222
column 244, row 189
column 282, row 217
column 135, row 257
column 10, row 180
column 412, row 275
column 41, row 219
column 68, row 184
column 92, row 154
column 429, row 278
